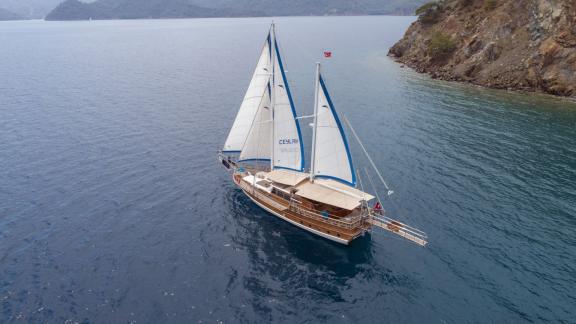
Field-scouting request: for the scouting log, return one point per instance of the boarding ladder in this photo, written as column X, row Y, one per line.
column 398, row 228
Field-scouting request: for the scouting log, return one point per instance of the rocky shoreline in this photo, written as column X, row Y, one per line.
column 527, row 45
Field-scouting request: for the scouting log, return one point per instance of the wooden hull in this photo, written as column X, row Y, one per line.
column 314, row 226
column 304, row 227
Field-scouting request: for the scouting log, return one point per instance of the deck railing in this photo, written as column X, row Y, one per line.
column 410, row 233
column 294, row 206
column 350, row 222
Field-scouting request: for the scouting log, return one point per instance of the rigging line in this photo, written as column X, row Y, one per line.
column 297, row 44
column 376, row 191
column 303, row 51
column 364, row 202
column 373, row 186
column 367, row 155
column 259, row 125
column 302, row 117
column 260, row 144
column 314, row 57
column 265, row 121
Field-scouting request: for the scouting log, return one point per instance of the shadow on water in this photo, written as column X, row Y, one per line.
column 296, row 268
column 260, row 231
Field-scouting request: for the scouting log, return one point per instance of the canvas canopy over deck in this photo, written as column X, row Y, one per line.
column 324, row 191
column 332, row 193
column 285, row 177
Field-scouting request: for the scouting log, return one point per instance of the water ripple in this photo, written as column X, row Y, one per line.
column 113, row 207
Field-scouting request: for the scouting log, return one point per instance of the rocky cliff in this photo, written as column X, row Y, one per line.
column 508, row 44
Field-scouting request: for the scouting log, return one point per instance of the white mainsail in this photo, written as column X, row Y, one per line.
column 257, row 145
column 331, row 156
column 251, row 103
column 287, row 139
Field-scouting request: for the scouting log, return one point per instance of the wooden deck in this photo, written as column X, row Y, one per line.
column 342, row 231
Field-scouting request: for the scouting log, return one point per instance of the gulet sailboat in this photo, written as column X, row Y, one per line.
column 264, row 153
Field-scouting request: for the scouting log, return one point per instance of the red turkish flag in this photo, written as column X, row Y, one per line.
column 327, row 54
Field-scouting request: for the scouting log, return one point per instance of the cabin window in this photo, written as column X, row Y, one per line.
column 280, row 193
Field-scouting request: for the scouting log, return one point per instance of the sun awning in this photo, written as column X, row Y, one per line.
column 333, row 193
column 285, row 177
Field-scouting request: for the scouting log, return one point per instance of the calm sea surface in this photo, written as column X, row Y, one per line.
column 113, row 207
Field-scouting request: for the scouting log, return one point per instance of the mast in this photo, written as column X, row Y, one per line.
column 312, row 170
column 273, row 88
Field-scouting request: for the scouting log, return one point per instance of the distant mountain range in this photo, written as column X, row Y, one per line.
column 30, row 9
column 8, row 15
column 131, row 9
column 134, row 9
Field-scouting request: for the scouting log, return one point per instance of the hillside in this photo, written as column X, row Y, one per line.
column 129, row 9
column 317, row 7
column 29, row 9
column 8, row 15
column 507, row 44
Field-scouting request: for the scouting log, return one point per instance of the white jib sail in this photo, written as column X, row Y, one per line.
column 257, row 145
column 251, row 102
column 332, row 158
column 287, row 142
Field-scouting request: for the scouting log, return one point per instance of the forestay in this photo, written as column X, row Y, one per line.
column 257, row 145
column 332, row 157
column 288, row 147
column 251, row 103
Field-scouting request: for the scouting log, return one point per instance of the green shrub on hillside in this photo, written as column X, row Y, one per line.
column 425, row 7
column 440, row 46
column 490, row 4
column 429, row 13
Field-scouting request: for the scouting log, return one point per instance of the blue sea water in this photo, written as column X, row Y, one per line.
column 113, row 207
